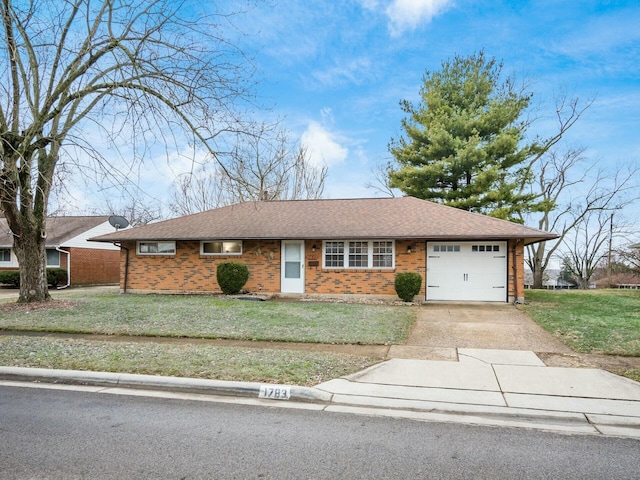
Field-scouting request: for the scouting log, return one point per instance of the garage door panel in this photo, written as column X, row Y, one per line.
column 473, row 271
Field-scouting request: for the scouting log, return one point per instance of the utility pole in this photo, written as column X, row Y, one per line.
column 610, row 242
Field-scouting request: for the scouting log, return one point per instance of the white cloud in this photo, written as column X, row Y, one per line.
column 408, row 14
column 322, row 145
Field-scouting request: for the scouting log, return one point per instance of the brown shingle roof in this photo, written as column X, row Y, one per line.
column 59, row 229
column 393, row 218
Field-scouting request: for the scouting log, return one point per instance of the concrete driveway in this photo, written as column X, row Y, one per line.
column 441, row 328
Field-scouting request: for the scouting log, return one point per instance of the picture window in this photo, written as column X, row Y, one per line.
column 358, row 254
column 221, row 247
column 157, row 248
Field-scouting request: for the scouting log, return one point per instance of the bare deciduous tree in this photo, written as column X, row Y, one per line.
column 262, row 165
column 631, row 257
column 586, row 246
column 381, row 180
column 138, row 72
column 571, row 190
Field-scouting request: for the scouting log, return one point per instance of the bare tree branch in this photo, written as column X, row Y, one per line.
column 146, row 73
column 263, row 165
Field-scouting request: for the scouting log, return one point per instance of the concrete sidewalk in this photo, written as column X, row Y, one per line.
column 484, row 387
column 494, row 387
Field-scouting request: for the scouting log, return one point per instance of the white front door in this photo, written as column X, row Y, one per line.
column 292, row 268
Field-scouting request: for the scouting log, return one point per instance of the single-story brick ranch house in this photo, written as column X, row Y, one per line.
column 353, row 246
column 86, row 263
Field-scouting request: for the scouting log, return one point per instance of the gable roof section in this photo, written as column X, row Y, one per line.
column 381, row 218
column 59, row 229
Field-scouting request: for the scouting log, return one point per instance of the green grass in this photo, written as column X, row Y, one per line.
column 194, row 361
column 220, row 317
column 590, row 321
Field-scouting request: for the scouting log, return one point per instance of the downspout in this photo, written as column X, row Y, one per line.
column 58, row 249
column 126, row 266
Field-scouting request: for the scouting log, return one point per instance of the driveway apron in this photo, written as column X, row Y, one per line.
column 441, row 328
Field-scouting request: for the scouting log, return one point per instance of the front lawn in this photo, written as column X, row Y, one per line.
column 215, row 317
column 589, row 321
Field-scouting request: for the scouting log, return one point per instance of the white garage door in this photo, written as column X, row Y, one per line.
column 474, row 271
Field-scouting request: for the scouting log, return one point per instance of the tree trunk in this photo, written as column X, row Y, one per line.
column 30, row 250
column 537, row 268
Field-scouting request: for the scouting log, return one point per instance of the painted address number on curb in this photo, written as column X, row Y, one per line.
column 275, row 392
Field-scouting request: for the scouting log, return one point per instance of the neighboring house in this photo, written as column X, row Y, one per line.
column 67, row 247
column 552, row 280
column 354, row 246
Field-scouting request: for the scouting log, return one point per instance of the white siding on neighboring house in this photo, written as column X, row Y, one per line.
column 12, row 263
column 81, row 240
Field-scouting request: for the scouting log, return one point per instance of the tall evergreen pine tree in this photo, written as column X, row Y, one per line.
column 463, row 144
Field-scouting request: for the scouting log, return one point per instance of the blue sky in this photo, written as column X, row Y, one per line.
column 336, row 70
column 334, row 73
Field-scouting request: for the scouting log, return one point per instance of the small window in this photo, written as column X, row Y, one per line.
column 5, row 254
column 53, row 258
column 446, row 248
column 157, row 248
column 485, row 248
column 221, row 247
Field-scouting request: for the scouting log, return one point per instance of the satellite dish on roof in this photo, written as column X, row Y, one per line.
column 118, row 222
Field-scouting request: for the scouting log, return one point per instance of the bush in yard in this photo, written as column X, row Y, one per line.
column 10, row 277
column 232, row 276
column 408, row 285
column 56, row 276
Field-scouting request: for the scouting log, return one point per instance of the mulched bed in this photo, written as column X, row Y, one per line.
column 15, row 307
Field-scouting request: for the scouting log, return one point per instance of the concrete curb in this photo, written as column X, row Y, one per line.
column 181, row 384
column 551, row 420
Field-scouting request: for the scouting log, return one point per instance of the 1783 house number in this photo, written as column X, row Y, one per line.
column 275, row 392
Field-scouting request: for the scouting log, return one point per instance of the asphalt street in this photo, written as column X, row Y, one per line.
column 62, row 434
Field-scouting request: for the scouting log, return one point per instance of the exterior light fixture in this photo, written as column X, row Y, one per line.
column 313, row 248
column 409, row 249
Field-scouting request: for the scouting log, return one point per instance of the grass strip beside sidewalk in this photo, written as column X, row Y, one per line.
column 184, row 360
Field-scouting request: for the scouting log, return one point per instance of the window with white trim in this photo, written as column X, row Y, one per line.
column 221, row 247
column 156, row 248
column 53, row 257
column 358, row 254
column 333, row 254
column 383, row 254
column 5, row 255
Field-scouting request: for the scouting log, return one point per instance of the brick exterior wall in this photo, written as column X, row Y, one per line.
column 92, row 266
column 515, row 271
column 363, row 281
column 189, row 272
